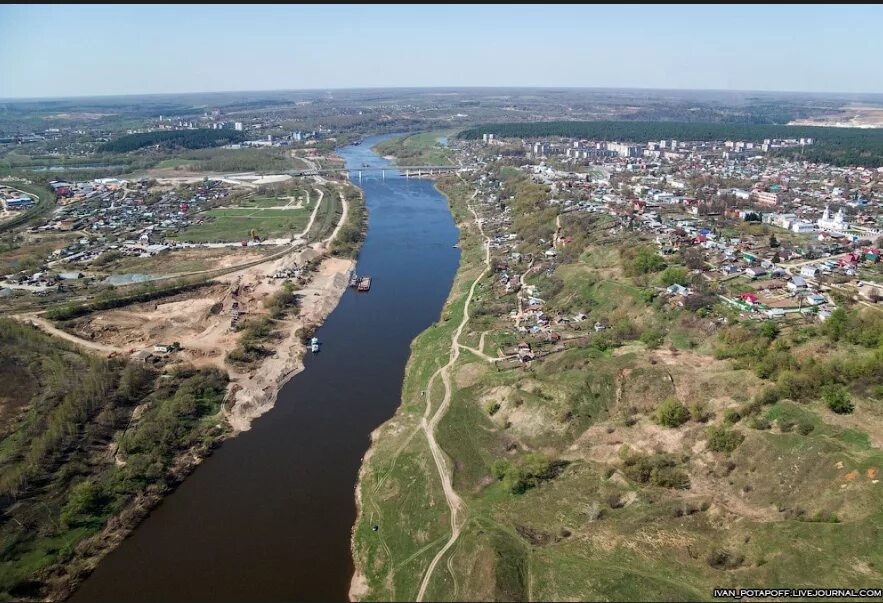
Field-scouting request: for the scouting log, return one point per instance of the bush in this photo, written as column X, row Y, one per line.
column 837, row 399
column 732, row 416
column 653, row 337
column 759, row 423
column 672, row 413
column 660, row 470
column 768, row 396
column 721, row 439
column 805, row 428
column 673, row 275
column 700, row 412
column 643, row 260
column 533, row 469
column 770, row 330
column 85, row 500
column 722, row 559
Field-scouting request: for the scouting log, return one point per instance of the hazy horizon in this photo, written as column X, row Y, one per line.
column 102, row 50
column 831, row 94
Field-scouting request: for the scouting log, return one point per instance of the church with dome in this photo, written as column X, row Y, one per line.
column 837, row 224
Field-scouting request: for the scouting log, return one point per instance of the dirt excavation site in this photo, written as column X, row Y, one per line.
column 202, row 322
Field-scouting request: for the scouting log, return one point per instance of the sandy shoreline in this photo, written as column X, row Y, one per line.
column 202, row 324
column 255, row 393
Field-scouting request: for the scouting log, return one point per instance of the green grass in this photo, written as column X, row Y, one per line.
column 564, row 539
column 233, row 224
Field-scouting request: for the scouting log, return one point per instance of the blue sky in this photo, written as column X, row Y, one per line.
column 96, row 49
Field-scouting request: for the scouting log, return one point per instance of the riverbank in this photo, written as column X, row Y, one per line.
column 400, row 458
column 197, row 322
column 281, row 494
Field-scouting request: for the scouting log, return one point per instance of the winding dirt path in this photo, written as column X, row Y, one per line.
column 429, row 425
column 47, row 327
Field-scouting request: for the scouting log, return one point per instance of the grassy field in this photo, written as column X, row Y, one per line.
column 18, row 254
column 635, row 510
column 262, row 212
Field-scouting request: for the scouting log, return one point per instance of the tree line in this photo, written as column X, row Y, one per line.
column 189, row 139
column 839, row 146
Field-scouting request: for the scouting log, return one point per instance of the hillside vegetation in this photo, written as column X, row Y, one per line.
column 87, row 445
column 667, row 455
column 187, row 139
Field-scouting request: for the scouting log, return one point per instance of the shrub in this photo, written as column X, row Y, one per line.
column 659, row 470
column 653, row 337
column 673, row 275
column 85, row 500
column 644, row 260
column 671, row 413
column 768, row 396
column 837, row 399
column 700, row 412
column 723, row 559
column 805, row 428
column 732, row 416
column 770, row 330
column 721, row 439
column 759, row 423
column 492, row 408
column 533, row 469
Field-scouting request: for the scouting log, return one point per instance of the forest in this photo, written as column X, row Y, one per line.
column 77, row 458
column 188, row 139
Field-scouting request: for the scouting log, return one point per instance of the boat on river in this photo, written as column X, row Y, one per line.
column 314, row 344
column 364, row 283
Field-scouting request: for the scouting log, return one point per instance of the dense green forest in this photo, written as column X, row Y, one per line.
column 188, row 139
column 840, row 146
column 74, row 453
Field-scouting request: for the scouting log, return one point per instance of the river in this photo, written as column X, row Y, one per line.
column 268, row 516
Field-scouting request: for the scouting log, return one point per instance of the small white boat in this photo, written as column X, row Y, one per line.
column 314, row 344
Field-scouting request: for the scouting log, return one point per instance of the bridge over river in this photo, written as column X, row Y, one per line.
column 406, row 170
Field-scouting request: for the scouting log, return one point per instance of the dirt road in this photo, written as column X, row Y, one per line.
column 455, row 503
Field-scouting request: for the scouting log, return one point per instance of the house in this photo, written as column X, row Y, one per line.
column 677, row 290
column 816, row 299
column 796, row 283
column 524, row 352
column 142, row 356
column 755, row 272
column 749, row 298
column 809, row 271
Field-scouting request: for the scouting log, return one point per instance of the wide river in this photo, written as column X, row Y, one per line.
column 268, row 516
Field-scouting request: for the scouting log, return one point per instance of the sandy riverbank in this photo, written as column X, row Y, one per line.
column 255, row 392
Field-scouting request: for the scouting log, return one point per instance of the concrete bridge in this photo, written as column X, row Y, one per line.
column 406, row 170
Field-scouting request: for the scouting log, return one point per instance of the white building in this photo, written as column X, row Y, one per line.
column 837, row 224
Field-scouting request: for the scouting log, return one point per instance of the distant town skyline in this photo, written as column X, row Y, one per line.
column 98, row 50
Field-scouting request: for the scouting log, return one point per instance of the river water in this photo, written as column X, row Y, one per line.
column 268, row 516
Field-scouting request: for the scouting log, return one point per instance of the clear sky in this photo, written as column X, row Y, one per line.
column 51, row 50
